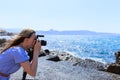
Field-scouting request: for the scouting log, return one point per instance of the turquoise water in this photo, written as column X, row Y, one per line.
column 96, row 47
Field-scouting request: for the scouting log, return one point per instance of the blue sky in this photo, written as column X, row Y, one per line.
column 93, row 15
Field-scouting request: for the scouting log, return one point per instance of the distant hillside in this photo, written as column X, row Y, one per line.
column 79, row 32
column 67, row 32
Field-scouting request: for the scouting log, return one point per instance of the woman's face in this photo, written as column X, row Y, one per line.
column 31, row 41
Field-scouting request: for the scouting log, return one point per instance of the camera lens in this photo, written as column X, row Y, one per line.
column 43, row 43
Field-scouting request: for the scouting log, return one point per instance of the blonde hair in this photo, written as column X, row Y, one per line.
column 25, row 33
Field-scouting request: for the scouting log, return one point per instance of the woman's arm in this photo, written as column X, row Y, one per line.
column 31, row 67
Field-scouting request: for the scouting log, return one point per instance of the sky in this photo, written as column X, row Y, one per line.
column 93, row 15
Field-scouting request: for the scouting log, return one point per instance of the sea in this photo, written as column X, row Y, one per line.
column 100, row 48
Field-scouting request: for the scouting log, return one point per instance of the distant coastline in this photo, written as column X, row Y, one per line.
column 73, row 32
column 66, row 32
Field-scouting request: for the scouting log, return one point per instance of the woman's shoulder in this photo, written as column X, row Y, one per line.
column 17, row 49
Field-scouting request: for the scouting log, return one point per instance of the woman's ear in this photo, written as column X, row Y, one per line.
column 26, row 40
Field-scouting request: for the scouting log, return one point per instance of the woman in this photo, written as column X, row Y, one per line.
column 15, row 55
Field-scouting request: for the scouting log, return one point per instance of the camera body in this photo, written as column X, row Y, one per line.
column 43, row 42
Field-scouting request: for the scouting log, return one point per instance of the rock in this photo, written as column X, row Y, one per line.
column 55, row 59
column 2, row 42
column 44, row 52
column 47, row 51
column 114, row 68
column 117, row 56
column 88, row 63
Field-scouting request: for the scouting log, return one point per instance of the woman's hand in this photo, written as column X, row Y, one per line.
column 37, row 47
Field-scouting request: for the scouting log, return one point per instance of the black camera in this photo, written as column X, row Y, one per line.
column 43, row 42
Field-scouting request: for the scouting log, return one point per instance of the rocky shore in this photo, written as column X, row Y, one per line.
column 63, row 66
column 56, row 65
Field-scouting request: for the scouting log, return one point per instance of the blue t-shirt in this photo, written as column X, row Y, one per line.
column 10, row 60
